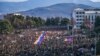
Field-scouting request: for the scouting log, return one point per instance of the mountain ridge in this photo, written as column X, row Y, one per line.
column 10, row 7
column 57, row 10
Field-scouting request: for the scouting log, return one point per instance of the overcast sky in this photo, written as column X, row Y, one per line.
column 13, row 0
column 48, row 2
column 95, row 0
column 45, row 0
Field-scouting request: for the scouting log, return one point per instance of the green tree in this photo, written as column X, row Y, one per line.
column 9, row 17
column 17, row 21
column 41, row 22
column 98, row 48
column 29, row 22
column 5, row 27
column 64, row 21
column 53, row 21
column 48, row 22
column 56, row 21
column 97, row 24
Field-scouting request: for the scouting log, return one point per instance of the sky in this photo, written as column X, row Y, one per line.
column 43, row 0
column 42, row 3
column 13, row 0
column 95, row 0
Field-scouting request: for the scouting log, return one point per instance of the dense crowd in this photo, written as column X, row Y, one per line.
column 55, row 43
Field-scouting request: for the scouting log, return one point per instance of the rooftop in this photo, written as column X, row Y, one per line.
column 95, row 12
column 78, row 9
column 91, row 9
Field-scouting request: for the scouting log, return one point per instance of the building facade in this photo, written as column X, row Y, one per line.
column 84, row 16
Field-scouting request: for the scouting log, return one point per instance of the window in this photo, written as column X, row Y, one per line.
column 77, row 26
column 79, row 19
column 89, row 18
column 86, row 17
column 92, row 17
column 83, row 13
column 76, row 12
column 79, row 22
column 77, row 16
column 79, row 12
column 92, row 22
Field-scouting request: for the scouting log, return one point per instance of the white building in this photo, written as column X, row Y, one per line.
column 16, row 14
column 87, row 16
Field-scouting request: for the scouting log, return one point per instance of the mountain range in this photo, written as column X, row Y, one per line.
column 11, row 7
column 56, row 10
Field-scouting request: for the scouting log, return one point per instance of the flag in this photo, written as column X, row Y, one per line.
column 40, row 38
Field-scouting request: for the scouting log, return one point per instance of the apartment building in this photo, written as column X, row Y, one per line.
column 84, row 16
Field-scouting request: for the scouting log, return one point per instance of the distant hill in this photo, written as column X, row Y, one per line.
column 11, row 7
column 57, row 10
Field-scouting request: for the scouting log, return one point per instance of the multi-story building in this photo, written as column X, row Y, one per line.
column 84, row 16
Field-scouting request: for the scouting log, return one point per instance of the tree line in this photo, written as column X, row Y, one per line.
column 11, row 22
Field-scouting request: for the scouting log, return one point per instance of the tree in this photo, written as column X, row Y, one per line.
column 64, row 21
column 41, row 22
column 52, row 21
column 29, row 22
column 5, row 27
column 57, row 20
column 48, row 22
column 97, row 24
column 17, row 21
column 98, row 47
column 38, row 21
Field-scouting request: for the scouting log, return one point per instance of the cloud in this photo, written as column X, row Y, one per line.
column 95, row 0
column 13, row 0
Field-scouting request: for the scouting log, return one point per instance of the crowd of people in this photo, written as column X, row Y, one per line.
column 55, row 43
